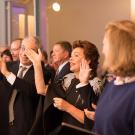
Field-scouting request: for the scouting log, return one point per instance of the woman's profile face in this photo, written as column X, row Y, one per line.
column 76, row 58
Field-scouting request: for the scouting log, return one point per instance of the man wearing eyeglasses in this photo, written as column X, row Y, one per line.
column 15, row 48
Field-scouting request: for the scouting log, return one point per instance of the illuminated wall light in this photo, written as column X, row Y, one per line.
column 21, row 25
column 56, row 6
column 133, row 10
column 30, row 25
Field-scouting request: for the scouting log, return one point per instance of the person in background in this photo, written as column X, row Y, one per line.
column 60, row 56
column 115, row 112
column 107, row 77
column 15, row 48
column 3, row 47
column 52, row 63
column 6, row 55
column 49, row 70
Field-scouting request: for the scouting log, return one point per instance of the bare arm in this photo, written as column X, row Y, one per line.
column 39, row 78
column 3, row 68
column 63, row 105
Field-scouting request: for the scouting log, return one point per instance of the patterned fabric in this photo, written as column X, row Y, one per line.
column 67, row 80
column 95, row 83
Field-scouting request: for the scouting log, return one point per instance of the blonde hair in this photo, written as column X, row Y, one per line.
column 120, row 58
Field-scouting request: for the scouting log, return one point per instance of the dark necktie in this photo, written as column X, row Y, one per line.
column 57, row 73
column 13, row 96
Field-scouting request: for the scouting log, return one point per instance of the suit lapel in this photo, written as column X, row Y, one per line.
column 29, row 72
column 65, row 70
column 13, row 67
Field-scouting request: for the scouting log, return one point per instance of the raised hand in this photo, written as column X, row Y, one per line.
column 33, row 56
column 84, row 73
column 36, row 59
column 3, row 68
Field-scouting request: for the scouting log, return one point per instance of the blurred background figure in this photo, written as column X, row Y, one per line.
column 2, row 48
column 15, row 48
column 52, row 63
column 49, row 70
column 107, row 77
column 115, row 112
column 6, row 55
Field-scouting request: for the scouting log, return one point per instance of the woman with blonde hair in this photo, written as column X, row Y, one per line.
column 115, row 113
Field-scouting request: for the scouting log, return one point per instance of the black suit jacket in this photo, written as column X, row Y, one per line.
column 49, row 72
column 80, row 98
column 25, row 102
column 57, row 81
column 64, row 71
column 43, row 108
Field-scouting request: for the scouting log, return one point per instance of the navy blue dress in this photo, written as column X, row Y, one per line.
column 115, row 113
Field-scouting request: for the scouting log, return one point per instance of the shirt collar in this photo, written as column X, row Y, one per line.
column 28, row 66
column 62, row 65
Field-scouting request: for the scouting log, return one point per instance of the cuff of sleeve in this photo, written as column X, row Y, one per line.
column 11, row 78
column 80, row 85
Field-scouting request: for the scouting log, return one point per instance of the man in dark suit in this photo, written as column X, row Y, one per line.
column 61, row 54
column 15, row 48
column 26, row 99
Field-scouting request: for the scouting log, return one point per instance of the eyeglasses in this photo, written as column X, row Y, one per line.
column 14, row 49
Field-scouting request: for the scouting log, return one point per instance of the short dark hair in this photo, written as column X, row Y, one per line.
column 7, row 53
column 90, row 52
column 66, row 46
column 44, row 53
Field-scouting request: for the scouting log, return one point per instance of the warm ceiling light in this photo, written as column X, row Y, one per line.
column 56, row 6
